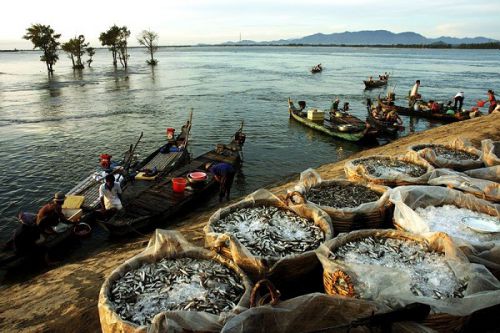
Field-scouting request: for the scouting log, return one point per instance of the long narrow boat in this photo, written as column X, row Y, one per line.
column 370, row 84
column 387, row 127
column 164, row 159
column 426, row 113
column 335, row 129
column 160, row 202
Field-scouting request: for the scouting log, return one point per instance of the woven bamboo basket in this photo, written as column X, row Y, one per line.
column 355, row 218
column 342, row 284
column 357, row 172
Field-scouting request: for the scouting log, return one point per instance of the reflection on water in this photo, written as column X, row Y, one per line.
column 54, row 128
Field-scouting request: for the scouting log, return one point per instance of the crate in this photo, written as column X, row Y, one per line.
column 74, row 215
column 315, row 115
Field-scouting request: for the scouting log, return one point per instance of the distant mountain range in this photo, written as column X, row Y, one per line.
column 369, row 37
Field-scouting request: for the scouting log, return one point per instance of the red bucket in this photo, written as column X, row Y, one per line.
column 179, row 184
column 170, row 133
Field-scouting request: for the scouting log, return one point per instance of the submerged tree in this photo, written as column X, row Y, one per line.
column 149, row 39
column 75, row 47
column 90, row 52
column 44, row 38
column 116, row 41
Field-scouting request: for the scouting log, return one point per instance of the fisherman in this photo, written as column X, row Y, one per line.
column 433, row 106
column 346, row 107
column 224, row 175
column 51, row 214
column 393, row 117
column 414, row 95
column 110, row 195
column 370, row 79
column 492, row 100
column 459, row 99
column 335, row 105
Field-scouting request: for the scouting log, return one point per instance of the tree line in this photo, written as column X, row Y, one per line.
column 115, row 38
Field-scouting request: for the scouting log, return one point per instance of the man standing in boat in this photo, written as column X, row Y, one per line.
column 414, row 95
column 224, row 175
column 110, row 194
column 459, row 101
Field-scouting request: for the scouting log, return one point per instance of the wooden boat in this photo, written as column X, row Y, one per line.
column 425, row 113
column 387, row 127
column 345, row 130
column 159, row 202
column 370, row 84
column 163, row 160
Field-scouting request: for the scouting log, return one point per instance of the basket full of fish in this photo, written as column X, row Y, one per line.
column 266, row 238
column 351, row 205
column 473, row 223
column 388, row 170
column 172, row 284
column 399, row 268
column 491, row 152
column 458, row 155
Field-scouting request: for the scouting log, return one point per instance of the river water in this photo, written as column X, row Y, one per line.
column 53, row 129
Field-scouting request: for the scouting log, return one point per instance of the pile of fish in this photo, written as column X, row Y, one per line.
column 338, row 195
column 429, row 273
column 271, row 232
column 175, row 284
column 448, row 153
column 385, row 166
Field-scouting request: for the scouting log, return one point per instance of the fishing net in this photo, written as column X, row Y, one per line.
column 491, row 152
column 381, row 172
column 459, row 155
column 311, row 313
column 360, row 214
column 170, row 245
column 393, row 284
column 482, row 248
column 279, row 269
column 481, row 188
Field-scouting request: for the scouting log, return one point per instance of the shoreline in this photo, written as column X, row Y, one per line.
column 65, row 298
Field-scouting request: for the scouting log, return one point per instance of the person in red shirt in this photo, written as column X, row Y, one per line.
column 492, row 100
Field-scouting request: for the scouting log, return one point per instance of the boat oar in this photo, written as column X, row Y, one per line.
column 411, row 312
column 127, row 163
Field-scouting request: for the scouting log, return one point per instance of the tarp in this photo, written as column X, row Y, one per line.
column 489, row 173
column 168, row 244
column 490, row 150
column 481, row 188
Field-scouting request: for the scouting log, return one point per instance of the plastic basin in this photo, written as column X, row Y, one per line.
column 198, row 175
column 179, row 184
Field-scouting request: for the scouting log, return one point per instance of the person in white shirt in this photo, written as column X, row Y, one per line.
column 110, row 194
column 414, row 90
column 459, row 99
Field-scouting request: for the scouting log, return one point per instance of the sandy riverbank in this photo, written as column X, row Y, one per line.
column 64, row 299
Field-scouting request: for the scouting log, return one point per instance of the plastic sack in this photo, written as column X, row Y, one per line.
column 311, row 313
column 441, row 162
column 490, row 173
column 491, row 152
column 391, row 285
column 276, row 268
column 481, row 188
column 356, row 171
column 365, row 216
column 408, row 198
column 168, row 244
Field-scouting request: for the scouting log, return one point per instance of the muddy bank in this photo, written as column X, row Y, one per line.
column 65, row 298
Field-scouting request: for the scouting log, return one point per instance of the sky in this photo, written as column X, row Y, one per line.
column 188, row 22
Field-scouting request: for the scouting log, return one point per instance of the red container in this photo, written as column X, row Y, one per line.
column 170, row 133
column 179, row 184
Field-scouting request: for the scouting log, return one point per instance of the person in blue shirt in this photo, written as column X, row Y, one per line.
column 224, row 175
